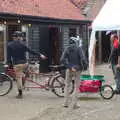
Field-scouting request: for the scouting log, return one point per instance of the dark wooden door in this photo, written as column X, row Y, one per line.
column 1, row 46
column 44, row 48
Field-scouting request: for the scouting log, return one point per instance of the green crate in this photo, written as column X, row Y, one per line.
column 94, row 77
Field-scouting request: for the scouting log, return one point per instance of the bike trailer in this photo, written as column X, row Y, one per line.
column 90, row 83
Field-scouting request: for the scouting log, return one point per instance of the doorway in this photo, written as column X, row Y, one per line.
column 106, row 49
column 54, row 41
column 1, row 46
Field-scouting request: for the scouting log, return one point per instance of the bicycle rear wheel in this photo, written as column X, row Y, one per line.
column 58, row 86
column 106, row 91
column 5, row 84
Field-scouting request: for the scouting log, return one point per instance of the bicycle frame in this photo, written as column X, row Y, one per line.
column 10, row 72
column 50, row 76
column 54, row 77
column 28, row 80
column 37, row 84
column 46, row 84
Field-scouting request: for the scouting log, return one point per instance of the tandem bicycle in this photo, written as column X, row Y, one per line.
column 53, row 80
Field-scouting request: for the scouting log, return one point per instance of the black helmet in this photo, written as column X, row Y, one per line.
column 18, row 34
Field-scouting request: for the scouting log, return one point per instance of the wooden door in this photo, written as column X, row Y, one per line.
column 54, row 38
column 44, row 48
column 1, row 46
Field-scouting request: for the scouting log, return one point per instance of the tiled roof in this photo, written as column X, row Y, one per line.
column 90, row 8
column 93, row 12
column 59, row 9
column 80, row 3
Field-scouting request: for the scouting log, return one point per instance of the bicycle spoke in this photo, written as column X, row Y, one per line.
column 58, row 86
column 106, row 92
column 5, row 84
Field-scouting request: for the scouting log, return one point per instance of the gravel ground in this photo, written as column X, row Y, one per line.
column 44, row 105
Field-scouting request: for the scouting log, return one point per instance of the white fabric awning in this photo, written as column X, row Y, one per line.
column 107, row 19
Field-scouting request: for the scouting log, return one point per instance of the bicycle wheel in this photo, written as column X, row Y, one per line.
column 5, row 84
column 58, row 86
column 106, row 91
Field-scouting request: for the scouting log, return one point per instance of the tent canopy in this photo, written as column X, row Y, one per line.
column 108, row 18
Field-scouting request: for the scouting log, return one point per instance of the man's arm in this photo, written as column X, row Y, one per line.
column 118, row 65
column 82, row 54
column 64, row 56
column 83, row 59
column 118, row 60
column 33, row 52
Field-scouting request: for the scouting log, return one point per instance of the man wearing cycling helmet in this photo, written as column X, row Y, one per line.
column 71, row 58
column 16, row 55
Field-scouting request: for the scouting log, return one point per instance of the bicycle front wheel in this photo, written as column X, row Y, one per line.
column 58, row 86
column 106, row 91
column 5, row 84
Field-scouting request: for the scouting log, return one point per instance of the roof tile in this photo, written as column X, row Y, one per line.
column 60, row 9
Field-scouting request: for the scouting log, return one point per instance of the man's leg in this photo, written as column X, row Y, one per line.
column 114, row 71
column 66, row 90
column 118, row 81
column 19, row 72
column 77, row 83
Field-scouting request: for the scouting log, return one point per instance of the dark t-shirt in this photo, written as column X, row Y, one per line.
column 16, row 52
column 115, row 54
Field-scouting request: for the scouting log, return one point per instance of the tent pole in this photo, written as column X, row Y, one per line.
column 94, row 58
column 92, row 65
column 100, row 47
